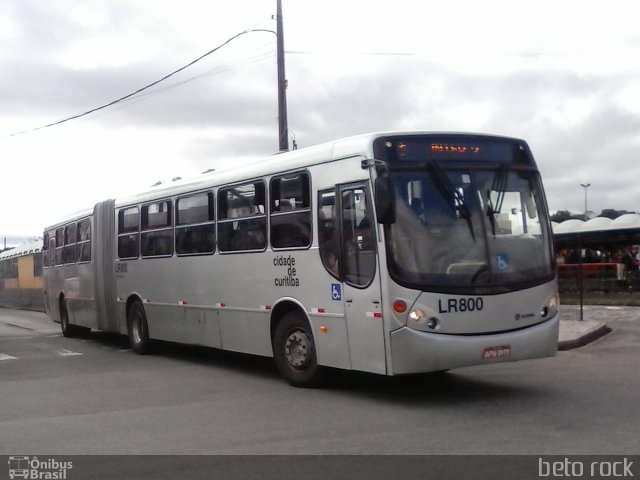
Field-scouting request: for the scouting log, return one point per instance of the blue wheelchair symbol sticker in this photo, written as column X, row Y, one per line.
column 336, row 291
column 502, row 262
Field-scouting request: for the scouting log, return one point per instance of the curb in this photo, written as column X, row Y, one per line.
column 584, row 340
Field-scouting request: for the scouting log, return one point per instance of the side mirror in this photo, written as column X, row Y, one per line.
column 385, row 199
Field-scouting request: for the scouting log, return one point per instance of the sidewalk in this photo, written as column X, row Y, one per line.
column 576, row 333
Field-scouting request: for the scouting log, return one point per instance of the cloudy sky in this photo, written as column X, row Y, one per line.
column 562, row 74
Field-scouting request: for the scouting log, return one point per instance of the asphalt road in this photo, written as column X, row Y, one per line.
column 93, row 395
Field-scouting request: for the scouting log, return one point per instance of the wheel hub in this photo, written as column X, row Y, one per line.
column 297, row 349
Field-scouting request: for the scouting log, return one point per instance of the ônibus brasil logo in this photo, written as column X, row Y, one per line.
column 38, row 469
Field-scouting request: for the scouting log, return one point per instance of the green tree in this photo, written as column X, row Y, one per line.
column 613, row 214
column 563, row 215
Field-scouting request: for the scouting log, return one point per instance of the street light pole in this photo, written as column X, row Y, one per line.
column 585, row 186
column 581, row 277
column 282, row 83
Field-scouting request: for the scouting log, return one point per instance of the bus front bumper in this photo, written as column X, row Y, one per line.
column 414, row 351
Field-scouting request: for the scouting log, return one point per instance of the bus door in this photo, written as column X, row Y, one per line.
column 360, row 277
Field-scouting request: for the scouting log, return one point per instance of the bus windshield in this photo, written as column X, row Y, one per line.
column 462, row 228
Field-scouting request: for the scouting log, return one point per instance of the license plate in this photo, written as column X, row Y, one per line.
column 496, row 353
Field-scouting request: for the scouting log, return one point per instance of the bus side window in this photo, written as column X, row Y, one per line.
column 156, row 239
column 59, row 246
column 328, row 241
column 52, row 250
column 290, row 211
column 128, row 232
column 195, row 228
column 69, row 251
column 242, row 223
column 83, row 245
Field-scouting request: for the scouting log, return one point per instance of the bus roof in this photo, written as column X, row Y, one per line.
column 279, row 162
column 291, row 160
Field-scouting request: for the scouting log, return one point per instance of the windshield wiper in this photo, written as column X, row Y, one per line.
column 499, row 186
column 454, row 196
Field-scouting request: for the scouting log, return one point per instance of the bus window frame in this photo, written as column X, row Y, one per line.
column 211, row 215
column 59, row 246
column 127, row 232
column 247, row 218
column 167, row 226
column 52, row 249
column 81, row 243
column 295, row 211
column 370, row 215
column 70, row 232
column 333, row 242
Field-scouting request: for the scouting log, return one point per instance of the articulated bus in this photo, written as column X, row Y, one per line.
column 391, row 253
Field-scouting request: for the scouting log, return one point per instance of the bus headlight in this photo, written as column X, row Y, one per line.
column 417, row 316
column 418, row 319
column 549, row 310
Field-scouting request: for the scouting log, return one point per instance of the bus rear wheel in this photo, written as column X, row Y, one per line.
column 68, row 330
column 295, row 352
column 137, row 328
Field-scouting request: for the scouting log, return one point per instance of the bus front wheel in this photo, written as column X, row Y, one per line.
column 295, row 352
column 138, row 329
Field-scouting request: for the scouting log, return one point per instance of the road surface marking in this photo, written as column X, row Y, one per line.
column 63, row 352
column 4, row 356
column 18, row 326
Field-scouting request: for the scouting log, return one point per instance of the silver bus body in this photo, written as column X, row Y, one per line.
column 386, row 319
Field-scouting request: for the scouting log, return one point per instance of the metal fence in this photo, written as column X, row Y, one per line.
column 595, row 283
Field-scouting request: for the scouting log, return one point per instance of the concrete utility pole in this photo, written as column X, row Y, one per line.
column 283, row 128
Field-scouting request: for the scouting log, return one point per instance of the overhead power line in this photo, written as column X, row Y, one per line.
column 130, row 95
column 215, row 71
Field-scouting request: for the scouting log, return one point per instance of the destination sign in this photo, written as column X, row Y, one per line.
column 444, row 147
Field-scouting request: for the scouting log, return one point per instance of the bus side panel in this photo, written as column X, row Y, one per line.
column 180, row 307
column 79, row 294
column 269, row 279
column 246, row 331
column 332, row 341
column 245, row 317
column 184, row 324
column 201, row 326
column 200, row 304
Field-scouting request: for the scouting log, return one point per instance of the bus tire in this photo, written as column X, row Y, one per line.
column 137, row 328
column 294, row 351
column 68, row 330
